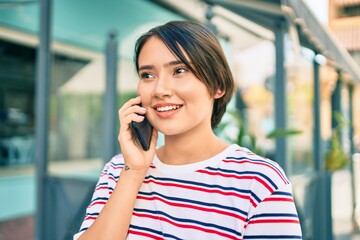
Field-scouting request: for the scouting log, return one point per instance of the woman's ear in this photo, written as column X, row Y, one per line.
column 219, row 93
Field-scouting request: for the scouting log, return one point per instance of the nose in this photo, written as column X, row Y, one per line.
column 163, row 88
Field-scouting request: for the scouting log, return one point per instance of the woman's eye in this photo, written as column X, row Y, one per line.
column 180, row 70
column 145, row 75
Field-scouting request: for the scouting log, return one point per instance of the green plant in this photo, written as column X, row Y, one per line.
column 245, row 138
column 235, row 130
column 278, row 133
column 336, row 158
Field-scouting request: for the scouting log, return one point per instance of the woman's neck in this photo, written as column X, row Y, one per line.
column 190, row 148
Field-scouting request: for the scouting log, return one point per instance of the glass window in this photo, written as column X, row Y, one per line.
column 76, row 110
column 356, row 109
column 75, row 107
column 328, row 78
column 345, row 129
column 300, row 91
column 17, row 87
column 79, row 33
column 17, row 91
column 78, row 76
column 254, row 73
column 356, row 118
column 348, row 11
column 17, row 114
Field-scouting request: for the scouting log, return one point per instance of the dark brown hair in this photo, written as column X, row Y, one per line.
column 207, row 58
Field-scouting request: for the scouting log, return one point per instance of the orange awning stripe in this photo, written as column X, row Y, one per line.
column 347, row 2
column 350, row 37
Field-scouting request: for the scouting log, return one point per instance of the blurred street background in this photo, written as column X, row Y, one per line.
column 66, row 67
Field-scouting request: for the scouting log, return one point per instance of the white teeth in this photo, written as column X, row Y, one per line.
column 167, row 108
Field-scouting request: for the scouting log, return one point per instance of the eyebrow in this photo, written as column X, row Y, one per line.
column 166, row 65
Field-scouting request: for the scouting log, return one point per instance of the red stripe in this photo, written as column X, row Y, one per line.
column 181, row 225
column 96, row 203
column 237, row 216
column 116, row 167
column 112, row 178
column 102, row 187
column 90, row 218
column 278, row 199
column 258, row 163
column 239, row 177
column 144, row 234
column 203, row 190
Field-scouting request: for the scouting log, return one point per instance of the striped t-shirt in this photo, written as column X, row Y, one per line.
column 233, row 195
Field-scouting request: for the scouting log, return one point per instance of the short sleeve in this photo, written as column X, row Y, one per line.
column 98, row 201
column 275, row 217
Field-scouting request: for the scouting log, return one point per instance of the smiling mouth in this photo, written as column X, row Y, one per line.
column 168, row 108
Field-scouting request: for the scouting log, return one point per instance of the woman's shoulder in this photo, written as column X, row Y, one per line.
column 245, row 160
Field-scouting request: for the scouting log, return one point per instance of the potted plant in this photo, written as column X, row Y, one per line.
column 335, row 157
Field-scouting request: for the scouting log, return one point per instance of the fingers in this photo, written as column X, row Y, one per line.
column 131, row 102
column 132, row 117
column 131, row 111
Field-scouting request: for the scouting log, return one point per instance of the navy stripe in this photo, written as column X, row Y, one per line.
column 145, row 229
column 184, row 220
column 245, row 173
column 275, row 215
column 92, row 214
column 261, row 161
column 83, row 229
column 117, row 164
column 282, row 193
column 115, row 177
column 248, row 192
column 100, row 198
column 273, row 237
column 182, row 200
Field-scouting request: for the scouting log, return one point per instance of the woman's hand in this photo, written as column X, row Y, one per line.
column 135, row 157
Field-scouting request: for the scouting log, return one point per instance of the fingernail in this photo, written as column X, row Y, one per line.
column 144, row 109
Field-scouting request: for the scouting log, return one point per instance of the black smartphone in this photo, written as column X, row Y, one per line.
column 142, row 132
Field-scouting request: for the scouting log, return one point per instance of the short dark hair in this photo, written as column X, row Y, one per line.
column 207, row 58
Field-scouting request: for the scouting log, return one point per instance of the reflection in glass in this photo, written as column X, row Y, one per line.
column 16, row 104
column 255, row 73
column 300, row 92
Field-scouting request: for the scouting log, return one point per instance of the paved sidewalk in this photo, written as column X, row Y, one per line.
column 16, row 229
column 342, row 206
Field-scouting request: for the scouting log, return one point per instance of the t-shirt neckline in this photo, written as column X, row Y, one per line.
column 191, row 167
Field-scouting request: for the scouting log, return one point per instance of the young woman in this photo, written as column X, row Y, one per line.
column 195, row 186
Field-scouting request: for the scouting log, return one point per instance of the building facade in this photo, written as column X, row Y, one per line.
column 344, row 21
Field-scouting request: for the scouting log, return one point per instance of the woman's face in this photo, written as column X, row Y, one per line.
column 177, row 101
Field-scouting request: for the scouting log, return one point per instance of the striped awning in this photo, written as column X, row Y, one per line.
column 347, row 2
column 272, row 14
column 350, row 37
column 324, row 41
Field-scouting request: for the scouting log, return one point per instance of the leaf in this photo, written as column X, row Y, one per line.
column 335, row 158
column 339, row 118
column 278, row 133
